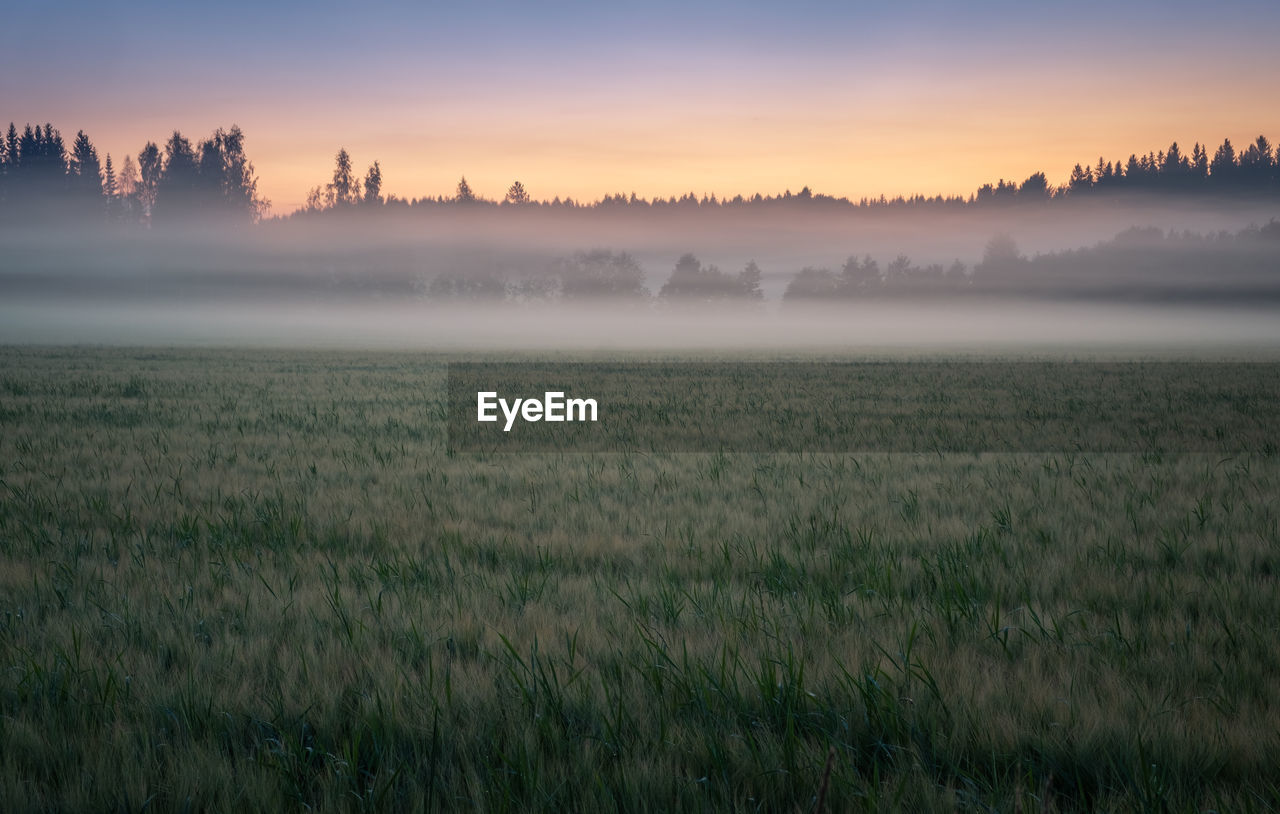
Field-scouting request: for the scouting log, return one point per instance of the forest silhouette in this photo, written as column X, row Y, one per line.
column 213, row 180
column 159, row 221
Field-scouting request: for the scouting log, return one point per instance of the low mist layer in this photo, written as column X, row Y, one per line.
column 975, row 325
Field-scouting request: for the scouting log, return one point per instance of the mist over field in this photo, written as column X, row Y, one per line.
column 631, row 407
column 794, row 276
column 1009, row 326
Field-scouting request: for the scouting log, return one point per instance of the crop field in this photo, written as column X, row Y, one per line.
column 262, row 581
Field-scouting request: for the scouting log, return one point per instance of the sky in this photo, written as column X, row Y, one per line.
column 583, row 99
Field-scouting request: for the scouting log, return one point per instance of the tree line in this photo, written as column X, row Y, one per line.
column 209, row 180
column 1254, row 170
column 1142, row 261
column 213, row 180
column 599, row 274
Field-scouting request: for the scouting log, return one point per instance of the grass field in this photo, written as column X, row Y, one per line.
column 257, row 581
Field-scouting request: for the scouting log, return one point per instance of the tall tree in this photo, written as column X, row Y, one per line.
column 109, row 179
column 1222, row 170
column 150, row 168
column 128, row 203
column 39, row 181
column 1199, row 164
column 110, row 191
column 1081, row 180
column 54, row 153
column 211, row 179
column 30, row 145
column 84, row 169
column 127, row 181
column 240, row 185
column 517, row 194
column 1102, row 174
column 344, row 189
column 177, row 194
column 465, row 195
column 1176, row 170
column 11, row 146
column 1035, row 188
column 373, row 185
column 1255, row 164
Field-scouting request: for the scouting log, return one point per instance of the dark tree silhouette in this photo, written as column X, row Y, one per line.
column 150, row 168
column 1081, row 180
column 373, row 185
column 1176, row 170
column 211, row 179
column 344, row 189
column 11, row 146
column 240, row 185
column 517, row 194
column 178, row 191
column 85, row 176
column 214, row 180
column 464, row 194
column 1223, row 167
column 110, row 191
column 1256, row 167
column 36, row 184
column 1035, row 188
column 1199, row 165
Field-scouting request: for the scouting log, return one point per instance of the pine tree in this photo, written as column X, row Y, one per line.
column 11, row 147
column 110, row 191
column 84, row 169
column 465, row 195
column 1199, row 164
column 1175, row 168
column 1255, row 164
column 109, row 180
column 177, row 193
column 55, row 151
column 1222, row 170
column 1081, row 180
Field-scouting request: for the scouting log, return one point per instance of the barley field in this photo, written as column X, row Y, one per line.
column 261, row 581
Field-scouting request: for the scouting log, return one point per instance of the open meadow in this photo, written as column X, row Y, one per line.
column 261, row 581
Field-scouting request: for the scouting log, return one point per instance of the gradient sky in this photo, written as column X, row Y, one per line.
column 585, row 99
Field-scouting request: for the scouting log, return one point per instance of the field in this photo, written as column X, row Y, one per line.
column 259, row 580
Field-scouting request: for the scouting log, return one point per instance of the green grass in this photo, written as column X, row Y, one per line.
column 257, row 581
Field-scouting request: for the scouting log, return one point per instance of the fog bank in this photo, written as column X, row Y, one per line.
column 1009, row 326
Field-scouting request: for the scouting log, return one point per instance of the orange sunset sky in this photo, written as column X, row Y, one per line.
column 657, row 99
